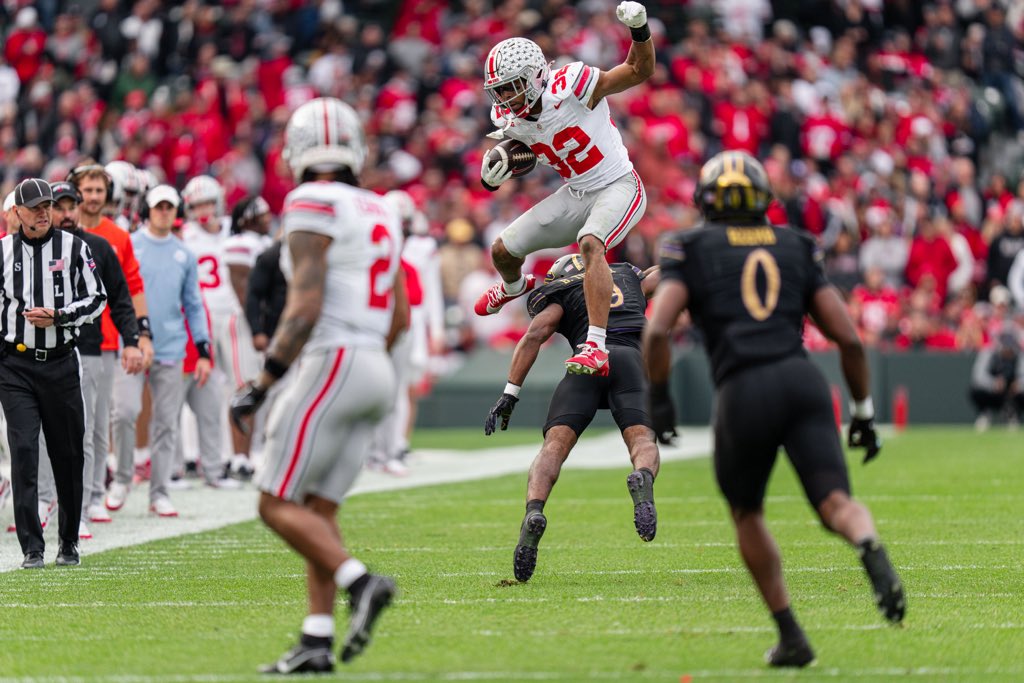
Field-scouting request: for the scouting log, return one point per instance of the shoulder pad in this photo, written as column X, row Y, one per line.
column 573, row 80
column 536, row 302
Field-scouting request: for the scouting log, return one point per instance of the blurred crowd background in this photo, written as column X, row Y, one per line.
column 892, row 131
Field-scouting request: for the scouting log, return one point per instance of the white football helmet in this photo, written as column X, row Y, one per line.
column 126, row 186
column 203, row 189
column 323, row 135
column 513, row 67
column 413, row 220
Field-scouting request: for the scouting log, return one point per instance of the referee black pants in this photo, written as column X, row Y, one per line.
column 48, row 395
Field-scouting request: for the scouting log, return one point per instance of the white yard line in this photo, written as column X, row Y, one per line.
column 202, row 508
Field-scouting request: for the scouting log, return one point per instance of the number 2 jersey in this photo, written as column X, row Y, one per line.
column 582, row 144
column 626, row 318
column 749, row 289
column 362, row 260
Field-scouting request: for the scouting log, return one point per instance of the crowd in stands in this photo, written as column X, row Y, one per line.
column 891, row 130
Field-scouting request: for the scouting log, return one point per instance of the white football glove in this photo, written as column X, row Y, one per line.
column 496, row 174
column 632, row 14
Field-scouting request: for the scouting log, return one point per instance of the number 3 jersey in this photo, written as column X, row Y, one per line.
column 362, row 260
column 582, row 144
column 749, row 289
column 625, row 319
column 214, row 274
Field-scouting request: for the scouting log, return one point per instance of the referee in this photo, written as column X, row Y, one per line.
column 47, row 290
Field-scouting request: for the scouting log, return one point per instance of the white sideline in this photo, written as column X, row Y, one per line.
column 202, row 508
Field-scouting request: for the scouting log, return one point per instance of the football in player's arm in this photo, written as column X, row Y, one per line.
column 564, row 118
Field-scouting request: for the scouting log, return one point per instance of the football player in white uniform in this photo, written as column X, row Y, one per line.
column 564, row 118
column 345, row 286
column 425, row 337
column 205, row 233
column 250, row 228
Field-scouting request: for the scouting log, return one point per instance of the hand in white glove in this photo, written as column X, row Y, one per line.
column 497, row 174
column 632, row 14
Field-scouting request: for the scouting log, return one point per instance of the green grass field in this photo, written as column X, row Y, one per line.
column 602, row 605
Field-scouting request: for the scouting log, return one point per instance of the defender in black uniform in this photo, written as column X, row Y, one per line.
column 559, row 306
column 749, row 285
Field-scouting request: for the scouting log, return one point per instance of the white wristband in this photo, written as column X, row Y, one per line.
column 862, row 410
column 512, row 389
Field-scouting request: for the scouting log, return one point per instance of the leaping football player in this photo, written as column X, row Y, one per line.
column 564, row 118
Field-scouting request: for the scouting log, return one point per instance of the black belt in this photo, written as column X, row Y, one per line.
column 42, row 355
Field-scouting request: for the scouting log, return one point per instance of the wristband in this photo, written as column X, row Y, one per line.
column 642, row 34
column 863, row 410
column 203, row 349
column 274, row 367
column 512, row 389
column 144, row 329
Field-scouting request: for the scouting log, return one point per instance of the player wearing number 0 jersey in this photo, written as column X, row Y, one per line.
column 564, row 118
column 749, row 285
column 345, row 307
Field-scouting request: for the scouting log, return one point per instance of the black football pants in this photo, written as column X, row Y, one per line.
column 48, row 395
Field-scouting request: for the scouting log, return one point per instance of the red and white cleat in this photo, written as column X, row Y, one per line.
column 589, row 361
column 491, row 301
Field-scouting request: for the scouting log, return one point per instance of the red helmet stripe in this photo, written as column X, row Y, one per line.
column 327, row 127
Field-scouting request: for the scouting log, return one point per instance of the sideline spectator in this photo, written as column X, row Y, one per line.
column 997, row 381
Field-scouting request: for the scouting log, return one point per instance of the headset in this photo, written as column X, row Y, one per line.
column 72, row 177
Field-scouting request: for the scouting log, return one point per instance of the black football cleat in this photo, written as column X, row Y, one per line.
column 33, row 560
column 366, row 606
column 67, row 555
column 524, row 561
column 796, row 654
column 885, row 582
column 645, row 516
column 304, row 658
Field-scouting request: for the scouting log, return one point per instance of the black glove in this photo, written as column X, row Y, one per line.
column 663, row 415
column 863, row 435
column 244, row 403
column 503, row 409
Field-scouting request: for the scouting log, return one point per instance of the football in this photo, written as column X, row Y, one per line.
column 521, row 158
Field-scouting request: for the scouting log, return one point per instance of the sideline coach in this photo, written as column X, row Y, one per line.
column 47, row 289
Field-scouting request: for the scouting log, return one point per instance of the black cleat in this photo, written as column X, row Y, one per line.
column 645, row 516
column 797, row 654
column 884, row 580
column 33, row 560
column 67, row 555
column 366, row 605
column 303, row 659
column 525, row 559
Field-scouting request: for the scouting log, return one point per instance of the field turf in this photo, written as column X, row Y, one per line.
column 602, row 605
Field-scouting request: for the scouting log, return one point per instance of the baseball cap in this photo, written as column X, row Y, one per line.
column 162, row 193
column 65, row 189
column 32, row 193
column 9, row 201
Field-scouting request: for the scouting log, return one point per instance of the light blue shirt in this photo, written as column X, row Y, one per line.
column 170, row 275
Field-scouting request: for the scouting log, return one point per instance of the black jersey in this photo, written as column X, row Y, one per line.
column 749, row 289
column 625, row 319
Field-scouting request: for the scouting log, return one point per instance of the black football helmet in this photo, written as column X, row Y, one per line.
column 570, row 264
column 733, row 186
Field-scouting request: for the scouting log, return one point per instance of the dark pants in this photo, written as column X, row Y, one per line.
column 45, row 394
column 984, row 400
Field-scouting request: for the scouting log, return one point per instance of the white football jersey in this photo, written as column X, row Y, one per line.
column 582, row 144
column 243, row 249
column 214, row 276
column 362, row 260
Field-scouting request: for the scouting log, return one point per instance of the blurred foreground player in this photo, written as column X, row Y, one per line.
column 748, row 286
column 342, row 260
column 560, row 306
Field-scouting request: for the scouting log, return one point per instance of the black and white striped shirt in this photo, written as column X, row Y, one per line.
column 55, row 271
